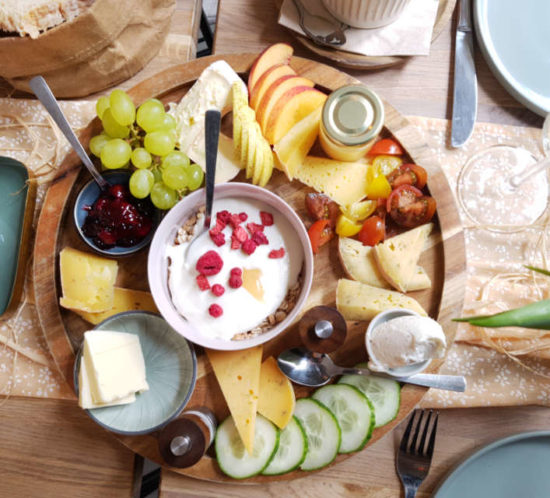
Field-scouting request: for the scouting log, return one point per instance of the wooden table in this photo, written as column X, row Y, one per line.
column 421, row 86
column 51, row 448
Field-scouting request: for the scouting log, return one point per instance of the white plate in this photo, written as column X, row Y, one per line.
column 514, row 38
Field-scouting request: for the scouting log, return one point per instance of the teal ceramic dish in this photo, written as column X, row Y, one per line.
column 170, row 368
column 17, row 199
column 514, row 40
column 513, row 467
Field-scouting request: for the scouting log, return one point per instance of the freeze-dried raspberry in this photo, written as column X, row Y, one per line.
column 267, row 218
column 220, row 225
column 254, row 227
column 260, row 238
column 243, row 216
column 235, row 220
column 235, row 281
column 240, row 234
column 202, row 282
column 215, row 310
column 276, row 253
column 236, row 271
column 210, row 263
column 235, row 244
column 249, row 246
column 218, row 290
column 217, row 238
column 223, row 216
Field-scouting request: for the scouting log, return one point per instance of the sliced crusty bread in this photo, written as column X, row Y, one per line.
column 31, row 17
column 397, row 258
column 360, row 264
column 357, row 301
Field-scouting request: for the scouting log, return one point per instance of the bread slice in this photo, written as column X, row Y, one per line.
column 357, row 301
column 397, row 258
column 31, row 17
column 360, row 264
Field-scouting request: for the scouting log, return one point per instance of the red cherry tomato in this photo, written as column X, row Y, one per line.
column 373, row 231
column 408, row 174
column 409, row 207
column 386, row 146
column 319, row 234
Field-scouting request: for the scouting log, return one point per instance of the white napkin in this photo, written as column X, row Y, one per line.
column 410, row 34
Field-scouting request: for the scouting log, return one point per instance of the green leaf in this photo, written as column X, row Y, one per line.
column 538, row 270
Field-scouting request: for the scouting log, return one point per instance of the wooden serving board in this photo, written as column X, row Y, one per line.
column 444, row 259
column 350, row 60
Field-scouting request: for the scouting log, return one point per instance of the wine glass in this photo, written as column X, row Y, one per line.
column 504, row 188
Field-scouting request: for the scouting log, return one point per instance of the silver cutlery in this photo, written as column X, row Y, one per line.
column 324, row 32
column 414, row 457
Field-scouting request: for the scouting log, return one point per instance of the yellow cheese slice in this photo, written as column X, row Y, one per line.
column 345, row 183
column 277, row 398
column 397, row 257
column 359, row 264
column 357, row 301
column 238, row 373
column 293, row 148
column 87, row 281
column 124, row 300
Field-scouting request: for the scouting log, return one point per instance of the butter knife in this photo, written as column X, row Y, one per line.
column 465, row 81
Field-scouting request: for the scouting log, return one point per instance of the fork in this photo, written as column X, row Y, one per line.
column 413, row 460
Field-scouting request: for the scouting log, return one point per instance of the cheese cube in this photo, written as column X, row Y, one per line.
column 277, row 399
column 357, row 301
column 115, row 365
column 87, row 281
column 124, row 300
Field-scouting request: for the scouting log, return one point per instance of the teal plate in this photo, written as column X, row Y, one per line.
column 170, row 369
column 514, row 39
column 16, row 213
column 513, row 467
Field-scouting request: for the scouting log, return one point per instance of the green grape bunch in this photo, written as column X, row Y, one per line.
column 144, row 139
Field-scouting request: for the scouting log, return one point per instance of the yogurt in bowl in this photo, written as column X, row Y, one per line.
column 234, row 288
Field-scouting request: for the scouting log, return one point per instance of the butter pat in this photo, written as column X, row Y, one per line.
column 114, row 365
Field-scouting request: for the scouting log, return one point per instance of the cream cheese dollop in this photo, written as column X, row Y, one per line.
column 405, row 340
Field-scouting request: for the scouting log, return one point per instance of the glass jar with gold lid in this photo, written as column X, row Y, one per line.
column 352, row 118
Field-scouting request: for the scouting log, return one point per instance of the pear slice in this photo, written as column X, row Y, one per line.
column 251, row 150
column 258, row 157
column 268, row 164
column 240, row 98
column 237, row 134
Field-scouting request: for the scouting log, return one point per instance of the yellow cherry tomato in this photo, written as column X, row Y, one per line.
column 386, row 164
column 359, row 211
column 346, row 227
column 378, row 188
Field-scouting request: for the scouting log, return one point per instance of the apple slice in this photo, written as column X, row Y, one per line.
column 272, row 95
column 270, row 76
column 293, row 106
column 279, row 53
column 293, row 148
column 268, row 164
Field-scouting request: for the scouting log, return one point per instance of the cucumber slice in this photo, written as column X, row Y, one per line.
column 292, row 449
column 322, row 431
column 384, row 394
column 231, row 454
column 353, row 411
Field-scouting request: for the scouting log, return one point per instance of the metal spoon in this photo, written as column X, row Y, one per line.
column 211, row 139
column 314, row 26
column 314, row 369
column 45, row 95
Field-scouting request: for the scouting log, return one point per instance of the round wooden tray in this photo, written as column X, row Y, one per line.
column 350, row 60
column 444, row 259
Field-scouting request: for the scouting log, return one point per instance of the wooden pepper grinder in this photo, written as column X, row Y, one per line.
column 322, row 329
column 182, row 443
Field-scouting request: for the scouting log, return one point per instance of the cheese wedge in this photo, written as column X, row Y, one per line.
column 124, row 300
column 238, row 374
column 397, row 257
column 87, row 281
column 293, row 148
column 277, row 399
column 345, row 183
column 359, row 264
column 357, row 301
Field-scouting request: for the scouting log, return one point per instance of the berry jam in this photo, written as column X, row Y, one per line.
column 117, row 218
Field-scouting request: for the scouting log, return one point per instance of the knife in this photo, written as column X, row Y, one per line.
column 465, row 82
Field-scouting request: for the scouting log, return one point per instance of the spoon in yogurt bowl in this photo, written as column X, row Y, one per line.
column 315, row 369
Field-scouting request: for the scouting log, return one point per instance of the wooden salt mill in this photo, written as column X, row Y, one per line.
column 322, row 329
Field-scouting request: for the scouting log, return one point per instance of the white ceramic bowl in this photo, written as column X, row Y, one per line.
column 157, row 265
column 366, row 13
column 381, row 318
